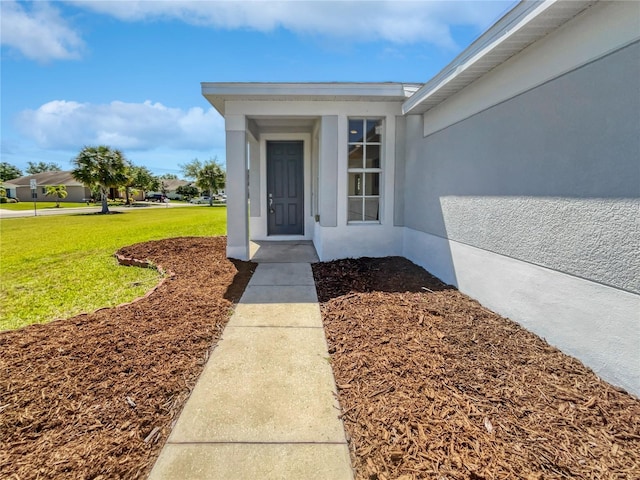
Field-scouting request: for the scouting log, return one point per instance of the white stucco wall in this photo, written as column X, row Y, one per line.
column 341, row 240
column 359, row 241
column 237, row 187
column 525, row 191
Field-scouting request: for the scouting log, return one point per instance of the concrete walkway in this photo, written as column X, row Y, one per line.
column 264, row 406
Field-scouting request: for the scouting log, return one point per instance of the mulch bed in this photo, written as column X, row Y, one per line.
column 94, row 396
column 433, row 385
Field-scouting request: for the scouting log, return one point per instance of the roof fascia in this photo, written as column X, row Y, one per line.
column 218, row 92
column 311, row 89
column 504, row 29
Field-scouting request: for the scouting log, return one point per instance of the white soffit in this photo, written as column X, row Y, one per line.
column 526, row 23
column 217, row 93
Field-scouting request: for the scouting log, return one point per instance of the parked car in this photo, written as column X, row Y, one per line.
column 156, row 197
column 199, row 200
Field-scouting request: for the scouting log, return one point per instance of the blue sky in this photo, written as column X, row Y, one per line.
column 127, row 73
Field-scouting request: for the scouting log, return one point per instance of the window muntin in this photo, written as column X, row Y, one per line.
column 364, row 170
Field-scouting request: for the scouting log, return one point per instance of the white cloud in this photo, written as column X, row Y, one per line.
column 396, row 21
column 38, row 32
column 63, row 125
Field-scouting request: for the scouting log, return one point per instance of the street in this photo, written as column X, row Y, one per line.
column 84, row 210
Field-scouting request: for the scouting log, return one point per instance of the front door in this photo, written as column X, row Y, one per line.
column 285, row 188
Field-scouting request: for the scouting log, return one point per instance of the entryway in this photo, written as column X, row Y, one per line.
column 285, row 188
column 283, row 252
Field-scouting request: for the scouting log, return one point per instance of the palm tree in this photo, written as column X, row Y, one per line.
column 103, row 167
column 58, row 191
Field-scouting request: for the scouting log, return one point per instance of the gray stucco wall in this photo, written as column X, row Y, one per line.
column 550, row 177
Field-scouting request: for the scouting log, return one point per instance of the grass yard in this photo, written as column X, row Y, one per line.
column 59, row 266
column 39, row 205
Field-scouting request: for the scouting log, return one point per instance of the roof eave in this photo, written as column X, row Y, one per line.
column 217, row 93
column 521, row 26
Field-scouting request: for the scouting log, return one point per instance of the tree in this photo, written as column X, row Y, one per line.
column 58, row 191
column 208, row 175
column 140, row 178
column 101, row 167
column 9, row 172
column 40, row 167
column 168, row 176
column 187, row 191
column 191, row 169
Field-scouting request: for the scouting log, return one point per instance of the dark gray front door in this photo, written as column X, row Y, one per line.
column 285, row 188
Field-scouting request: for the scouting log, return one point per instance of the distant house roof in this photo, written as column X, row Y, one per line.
column 523, row 25
column 172, row 184
column 46, row 178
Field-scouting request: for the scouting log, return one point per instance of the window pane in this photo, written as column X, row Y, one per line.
column 364, row 176
column 355, row 184
column 356, row 131
column 373, row 156
column 356, row 156
column 355, row 210
column 372, row 184
column 374, row 128
column 371, row 210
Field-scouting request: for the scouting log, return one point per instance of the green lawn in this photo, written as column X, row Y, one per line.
column 39, row 205
column 58, row 266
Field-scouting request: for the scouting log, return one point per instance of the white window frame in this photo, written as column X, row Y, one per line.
column 364, row 170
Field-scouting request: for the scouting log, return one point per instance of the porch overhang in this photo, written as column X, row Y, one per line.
column 218, row 93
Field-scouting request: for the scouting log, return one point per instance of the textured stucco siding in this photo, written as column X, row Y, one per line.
column 550, row 177
column 597, row 237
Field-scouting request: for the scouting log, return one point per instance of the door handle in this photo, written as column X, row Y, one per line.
column 271, row 210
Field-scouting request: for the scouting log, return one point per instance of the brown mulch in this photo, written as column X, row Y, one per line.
column 94, row 396
column 433, row 385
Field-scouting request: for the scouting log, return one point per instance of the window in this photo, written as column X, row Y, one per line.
column 365, row 147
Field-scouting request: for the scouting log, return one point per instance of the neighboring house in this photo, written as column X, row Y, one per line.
column 169, row 187
column 20, row 188
column 513, row 174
